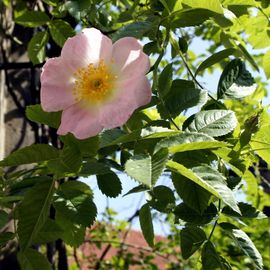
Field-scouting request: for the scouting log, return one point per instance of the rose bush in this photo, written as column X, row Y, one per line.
column 95, row 83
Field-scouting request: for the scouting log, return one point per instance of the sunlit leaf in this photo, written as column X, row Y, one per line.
column 36, row 47
column 37, row 115
column 145, row 168
column 248, row 247
column 189, row 141
column 266, row 64
column 214, row 123
column 209, row 179
column 213, row 5
column 60, row 31
column 32, row 18
column 214, row 59
column 235, row 81
column 135, row 29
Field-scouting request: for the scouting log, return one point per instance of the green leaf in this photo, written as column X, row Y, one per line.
column 180, row 99
column 5, row 237
column 214, row 59
column 37, row 115
column 182, row 170
column 209, row 179
column 247, row 211
column 30, row 154
column 20, row 186
column 235, row 81
column 260, row 141
column 94, row 168
column 88, row 147
column 212, row 5
column 32, row 18
column 245, row 243
column 238, row 165
column 72, row 233
column 3, row 218
column 189, row 141
column 9, row 199
column 183, row 45
column 190, row 17
column 239, row 2
column 31, row 259
column 109, row 184
column 266, row 64
column 136, row 189
column 192, row 194
column 74, row 201
column 34, row 210
column 135, row 29
column 49, row 232
column 117, row 136
column 182, row 95
column 191, row 240
column 57, row 167
column 213, row 123
column 60, row 31
column 247, row 56
column 78, row 9
column 211, row 259
column 51, row 2
column 227, row 226
column 162, row 199
column 71, row 157
column 145, row 168
column 165, row 80
column 157, row 132
column 36, row 47
column 195, row 158
column 147, row 224
column 218, row 182
column 184, row 212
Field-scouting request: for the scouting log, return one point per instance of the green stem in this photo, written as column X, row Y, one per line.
column 176, row 47
column 155, row 75
column 215, row 224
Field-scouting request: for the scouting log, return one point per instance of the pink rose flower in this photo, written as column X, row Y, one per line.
column 95, row 83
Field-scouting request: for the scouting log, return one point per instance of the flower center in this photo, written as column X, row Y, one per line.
column 94, row 83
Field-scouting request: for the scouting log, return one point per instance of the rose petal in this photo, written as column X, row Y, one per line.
column 81, row 122
column 129, row 58
column 90, row 46
column 132, row 94
column 56, row 86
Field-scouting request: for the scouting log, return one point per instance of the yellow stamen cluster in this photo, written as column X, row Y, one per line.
column 94, row 83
